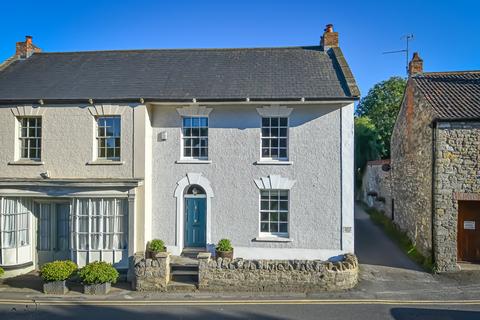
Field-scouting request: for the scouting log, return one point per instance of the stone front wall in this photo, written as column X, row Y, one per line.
column 277, row 275
column 411, row 160
column 457, row 167
column 151, row 274
column 377, row 180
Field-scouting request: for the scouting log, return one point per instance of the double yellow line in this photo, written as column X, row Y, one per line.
column 226, row 302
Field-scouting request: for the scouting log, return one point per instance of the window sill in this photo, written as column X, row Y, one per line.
column 193, row 161
column 26, row 163
column 272, row 239
column 105, row 163
column 274, row 162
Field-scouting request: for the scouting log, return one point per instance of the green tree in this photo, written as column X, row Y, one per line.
column 366, row 145
column 381, row 105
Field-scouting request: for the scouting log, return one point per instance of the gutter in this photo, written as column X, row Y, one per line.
column 140, row 100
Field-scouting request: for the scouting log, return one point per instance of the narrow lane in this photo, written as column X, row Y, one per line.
column 374, row 247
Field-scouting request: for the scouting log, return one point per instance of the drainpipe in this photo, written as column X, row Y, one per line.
column 434, row 143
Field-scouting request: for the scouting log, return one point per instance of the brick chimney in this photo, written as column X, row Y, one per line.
column 329, row 38
column 25, row 49
column 416, row 65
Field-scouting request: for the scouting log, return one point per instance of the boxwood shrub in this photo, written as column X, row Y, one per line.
column 224, row 245
column 1, row 272
column 156, row 245
column 58, row 270
column 98, row 272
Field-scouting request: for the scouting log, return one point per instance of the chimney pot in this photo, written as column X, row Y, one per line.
column 28, row 39
column 329, row 28
column 415, row 65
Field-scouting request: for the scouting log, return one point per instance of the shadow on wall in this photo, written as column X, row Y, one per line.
column 242, row 117
column 417, row 313
column 123, row 313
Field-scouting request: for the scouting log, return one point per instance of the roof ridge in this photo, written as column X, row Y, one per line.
column 180, row 49
column 445, row 72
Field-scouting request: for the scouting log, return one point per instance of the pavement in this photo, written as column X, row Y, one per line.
column 391, row 287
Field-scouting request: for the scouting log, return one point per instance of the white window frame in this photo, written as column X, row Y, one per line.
column 287, row 137
column 76, row 215
column 98, row 137
column 274, row 234
column 21, row 138
column 16, row 232
column 182, row 139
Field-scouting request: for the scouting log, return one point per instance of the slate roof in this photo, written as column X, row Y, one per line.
column 452, row 95
column 181, row 75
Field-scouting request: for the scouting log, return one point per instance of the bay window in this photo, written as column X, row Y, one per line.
column 15, row 216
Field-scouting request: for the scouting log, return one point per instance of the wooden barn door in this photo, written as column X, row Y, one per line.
column 468, row 235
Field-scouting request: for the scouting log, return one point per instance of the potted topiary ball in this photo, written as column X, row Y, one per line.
column 156, row 246
column 55, row 274
column 97, row 277
column 224, row 249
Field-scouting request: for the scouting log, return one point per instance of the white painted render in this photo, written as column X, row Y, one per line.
column 69, row 153
column 320, row 163
column 318, row 173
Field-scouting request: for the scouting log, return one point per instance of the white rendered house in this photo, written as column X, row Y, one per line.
column 102, row 151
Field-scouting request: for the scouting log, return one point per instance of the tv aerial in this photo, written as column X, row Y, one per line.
column 407, row 38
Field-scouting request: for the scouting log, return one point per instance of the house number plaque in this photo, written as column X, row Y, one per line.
column 469, row 225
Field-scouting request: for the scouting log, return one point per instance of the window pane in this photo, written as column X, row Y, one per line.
column 187, row 122
column 265, row 132
column 195, row 122
column 283, row 122
column 274, row 216
column 283, row 205
column 264, row 216
column 265, row 143
column 188, row 152
column 283, row 216
column 265, row 122
column 283, row 143
column 283, row 153
column 283, row 132
column 203, row 122
column 274, row 227
column 264, row 227
column 283, row 227
column 264, row 205
column 283, row 195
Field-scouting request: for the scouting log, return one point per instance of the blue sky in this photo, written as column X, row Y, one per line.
column 447, row 33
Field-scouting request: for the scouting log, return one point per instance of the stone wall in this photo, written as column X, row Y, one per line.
column 457, row 167
column 376, row 186
column 277, row 275
column 411, row 161
column 151, row 274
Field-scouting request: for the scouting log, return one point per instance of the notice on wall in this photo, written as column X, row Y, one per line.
column 469, row 225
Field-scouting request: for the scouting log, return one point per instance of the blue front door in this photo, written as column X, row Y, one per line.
column 195, row 222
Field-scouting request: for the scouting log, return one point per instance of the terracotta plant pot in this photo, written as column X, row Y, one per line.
column 224, row 254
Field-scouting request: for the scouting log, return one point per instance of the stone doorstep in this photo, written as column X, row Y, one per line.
column 174, row 286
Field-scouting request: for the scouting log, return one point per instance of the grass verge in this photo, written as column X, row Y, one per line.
column 400, row 238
